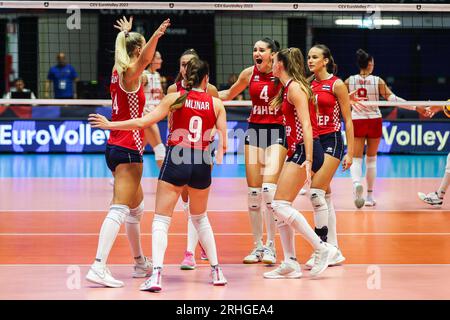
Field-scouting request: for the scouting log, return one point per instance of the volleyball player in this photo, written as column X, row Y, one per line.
column 188, row 163
column 333, row 101
column 124, row 152
column 153, row 95
column 367, row 125
column 437, row 198
column 305, row 157
column 265, row 146
column 188, row 262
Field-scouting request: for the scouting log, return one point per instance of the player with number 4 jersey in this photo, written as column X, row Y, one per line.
column 265, row 146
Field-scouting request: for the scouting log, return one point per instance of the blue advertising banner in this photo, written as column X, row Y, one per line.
column 76, row 136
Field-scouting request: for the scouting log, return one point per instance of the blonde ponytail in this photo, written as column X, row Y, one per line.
column 126, row 43
column 121, row 57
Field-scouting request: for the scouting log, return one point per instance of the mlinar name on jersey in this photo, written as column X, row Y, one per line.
column 194, row 104
column 56, row 135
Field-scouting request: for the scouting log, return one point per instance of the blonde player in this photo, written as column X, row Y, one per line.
column 305, row 158
column 367, row 125
column 153, row 94
column 124, row 153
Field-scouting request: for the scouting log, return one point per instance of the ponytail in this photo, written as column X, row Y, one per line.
column 126, row 43
column 196, row 71
column 121, row 57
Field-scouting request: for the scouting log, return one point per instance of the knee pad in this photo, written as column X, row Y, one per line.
column 447, row 166
column 254, row 198
column 317, row 197
column 268, row 192
column 118, row 213
column 282, row 211
column 135, row 214
column 322, row 233
column 371, row 162
column 160, row 152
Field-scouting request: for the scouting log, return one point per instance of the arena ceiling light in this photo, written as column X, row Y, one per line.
column 367, row 23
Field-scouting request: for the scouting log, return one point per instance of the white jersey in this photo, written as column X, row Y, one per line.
column 152, row 90
column 367, row 88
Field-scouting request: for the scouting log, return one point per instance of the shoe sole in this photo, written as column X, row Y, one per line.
column 217, row 284
column 251, row 262
column 146, row 275
column 359, row 201
column 100, row 282
column 152, row 289
column 337, row 263
column 269, row 261
column 184, row 267
column 370, row 204
column 295, row 276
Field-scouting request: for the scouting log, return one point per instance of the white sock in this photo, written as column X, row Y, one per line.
column 133, row 229
column 287, row 236
column 285, row 212
column 206, row 236
column 332, row 232
column 192, row 236
column 160, row 229
column 108, row 233
column 371, row 173
column 254, row 210
column 444, row 185
column 356, row 170
column 268, row 192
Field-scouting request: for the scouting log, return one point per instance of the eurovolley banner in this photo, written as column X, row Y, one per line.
column 77, row 136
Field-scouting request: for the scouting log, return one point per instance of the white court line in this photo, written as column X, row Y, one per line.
column 226, row 211
column 234, row 234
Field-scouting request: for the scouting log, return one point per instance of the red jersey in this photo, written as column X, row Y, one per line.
column 329, row 117
column 262, row 89
column 180, row 87
column 192, row 123
column 293, row 125
column 125, row 106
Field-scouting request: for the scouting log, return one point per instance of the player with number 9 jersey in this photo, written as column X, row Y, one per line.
column 187, row 162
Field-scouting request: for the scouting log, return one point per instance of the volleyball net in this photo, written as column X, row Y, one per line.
column 409, row 44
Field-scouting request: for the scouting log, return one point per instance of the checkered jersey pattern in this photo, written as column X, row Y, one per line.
column 298, row 129
column 336, row 117
column 133, row 103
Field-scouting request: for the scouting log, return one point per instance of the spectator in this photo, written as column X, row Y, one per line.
column 62, row 75
column 18, row 92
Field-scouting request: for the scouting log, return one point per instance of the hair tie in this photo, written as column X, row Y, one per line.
column 126, row 33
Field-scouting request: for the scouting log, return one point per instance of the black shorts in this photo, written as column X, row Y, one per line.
column 116, row 155
column 299, row 155
column 185, row 166
column 265, row 135
column 333, row 144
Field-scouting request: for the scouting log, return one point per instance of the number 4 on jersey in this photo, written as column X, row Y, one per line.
column 264, row 94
